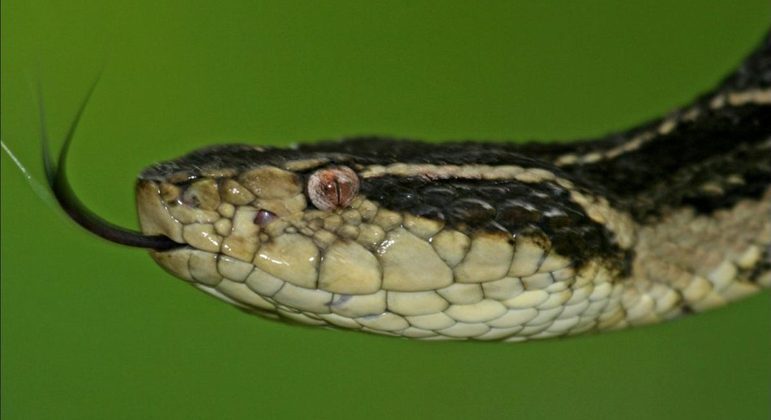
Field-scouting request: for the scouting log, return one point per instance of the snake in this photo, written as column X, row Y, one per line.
column 470, row 240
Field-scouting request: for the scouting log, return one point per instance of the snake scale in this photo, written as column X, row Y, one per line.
column 472, row 240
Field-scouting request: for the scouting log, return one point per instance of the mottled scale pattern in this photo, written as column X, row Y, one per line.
column 485, row 241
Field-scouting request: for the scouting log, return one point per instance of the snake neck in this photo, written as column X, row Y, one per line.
column 707, row 155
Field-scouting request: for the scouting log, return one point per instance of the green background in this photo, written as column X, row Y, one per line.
column 94, row 330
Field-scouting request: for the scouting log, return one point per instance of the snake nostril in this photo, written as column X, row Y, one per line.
column 170, row 193
column 264, row 217
column 191, row 200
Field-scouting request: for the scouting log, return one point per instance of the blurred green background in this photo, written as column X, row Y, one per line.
column 93, row 330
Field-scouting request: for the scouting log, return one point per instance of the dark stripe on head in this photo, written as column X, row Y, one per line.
column 516, row 208
column 727, row 149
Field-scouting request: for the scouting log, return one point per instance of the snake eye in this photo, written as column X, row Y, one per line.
column 264, row 217
column 333, row 188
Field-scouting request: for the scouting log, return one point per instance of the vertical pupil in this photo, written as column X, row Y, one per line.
column 333, row 191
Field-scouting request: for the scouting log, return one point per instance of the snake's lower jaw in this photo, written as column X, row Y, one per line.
column 553, row 301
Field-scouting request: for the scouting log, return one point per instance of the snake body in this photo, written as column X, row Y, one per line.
column 483, row 241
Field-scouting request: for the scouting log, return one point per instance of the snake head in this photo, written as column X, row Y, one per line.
column 265, row 234
column 326, row 238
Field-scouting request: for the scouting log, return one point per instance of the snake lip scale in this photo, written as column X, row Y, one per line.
column 472, row 240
